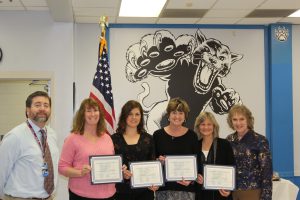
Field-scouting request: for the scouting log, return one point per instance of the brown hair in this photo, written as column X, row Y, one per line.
column 201, row 118
column 79, row 119
column 126, row 109
column 28, row 102
column 243, row 110
column 178, row 104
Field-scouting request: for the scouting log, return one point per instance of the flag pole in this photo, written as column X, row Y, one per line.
column 103, row 25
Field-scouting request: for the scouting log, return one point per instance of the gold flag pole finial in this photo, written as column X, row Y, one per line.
column 103, row 25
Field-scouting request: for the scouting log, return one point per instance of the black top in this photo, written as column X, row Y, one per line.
column 186, row 144
column 142, row 151
column 224, row 156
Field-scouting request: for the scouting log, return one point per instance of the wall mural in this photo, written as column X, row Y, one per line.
column 191, row 67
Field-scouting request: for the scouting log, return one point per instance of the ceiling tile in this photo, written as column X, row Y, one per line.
column 294, row 20
column 281, row 4
column 240, row 4
column 177, row 20
column 226, row 13
column 258, row 20
column 270, row 13
column 97, row 3
column 94, row 20
column 183, row 13
column 95, row 11
column 136, row 20
column 218, row 20
column 190, row 4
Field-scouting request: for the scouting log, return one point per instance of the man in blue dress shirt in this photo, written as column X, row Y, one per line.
column 23, row 167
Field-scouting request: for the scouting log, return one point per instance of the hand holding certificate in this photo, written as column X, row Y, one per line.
column 180, row 168
column 106, row 169
column 146, row 174
column 219, row 177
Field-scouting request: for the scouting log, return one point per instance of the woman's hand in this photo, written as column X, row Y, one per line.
column 153, row 188
column 224, row 193
column 126, row 173
column 199, row 179
column 85, row 170
column 184, row 182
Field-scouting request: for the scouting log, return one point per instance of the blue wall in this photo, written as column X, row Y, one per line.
column 280, row 113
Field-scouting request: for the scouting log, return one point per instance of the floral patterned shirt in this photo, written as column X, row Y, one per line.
column 253, row 163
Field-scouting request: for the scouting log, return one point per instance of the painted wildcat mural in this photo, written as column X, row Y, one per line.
column 191, row 66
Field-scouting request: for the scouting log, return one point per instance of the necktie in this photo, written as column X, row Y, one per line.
column 48, row 180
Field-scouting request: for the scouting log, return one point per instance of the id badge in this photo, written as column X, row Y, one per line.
column 45, row 170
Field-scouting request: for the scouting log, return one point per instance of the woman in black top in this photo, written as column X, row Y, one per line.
column 176, row 139
column 134, row 144
column 214, row 150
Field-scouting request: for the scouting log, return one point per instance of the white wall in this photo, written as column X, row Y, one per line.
column 85, row 58
column 32, row 42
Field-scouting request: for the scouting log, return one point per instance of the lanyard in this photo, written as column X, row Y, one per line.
column 42, row 147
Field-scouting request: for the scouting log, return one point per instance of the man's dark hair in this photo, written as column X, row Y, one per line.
column 36, row 94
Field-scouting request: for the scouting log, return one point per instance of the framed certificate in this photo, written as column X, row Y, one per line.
column 106, row 169
column 181, row 167
column 146, row 174
column 219, row 177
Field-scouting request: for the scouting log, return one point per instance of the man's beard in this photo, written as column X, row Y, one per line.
column 41, row 119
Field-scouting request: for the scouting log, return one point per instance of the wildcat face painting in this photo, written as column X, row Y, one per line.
column 192, row 67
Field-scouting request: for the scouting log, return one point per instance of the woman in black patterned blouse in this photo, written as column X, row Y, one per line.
column 252, row 157
column 134, row 144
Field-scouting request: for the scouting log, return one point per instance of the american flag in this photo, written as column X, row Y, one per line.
column 101, row 89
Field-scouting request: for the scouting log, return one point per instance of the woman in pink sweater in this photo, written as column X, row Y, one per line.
column 87, row 138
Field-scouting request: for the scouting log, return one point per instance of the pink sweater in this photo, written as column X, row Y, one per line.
column 75, row 153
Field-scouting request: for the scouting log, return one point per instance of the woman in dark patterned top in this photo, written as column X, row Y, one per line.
column 134, row 144
column 214, row 151
column 175, row 139
column 252, row 156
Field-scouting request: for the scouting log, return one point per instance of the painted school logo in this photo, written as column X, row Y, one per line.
column 191, row 66
column 281, row 33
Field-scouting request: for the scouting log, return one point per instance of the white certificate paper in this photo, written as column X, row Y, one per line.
column 106, row 169
column 146, row 174
column 219, row 177
column 181, row 168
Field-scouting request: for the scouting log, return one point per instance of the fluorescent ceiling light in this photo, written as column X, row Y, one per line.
column 141, row 8
column 295, row 14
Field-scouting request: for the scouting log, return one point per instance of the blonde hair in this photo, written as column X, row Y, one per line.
column 206, row 116
column 242, row 110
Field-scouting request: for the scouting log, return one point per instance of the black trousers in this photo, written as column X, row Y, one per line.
column 145, row 195
column 73, row 196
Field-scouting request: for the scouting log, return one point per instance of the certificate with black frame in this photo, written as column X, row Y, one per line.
column 219, row 177
column 146, row 174
column 106, row 169
column 179, row 168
